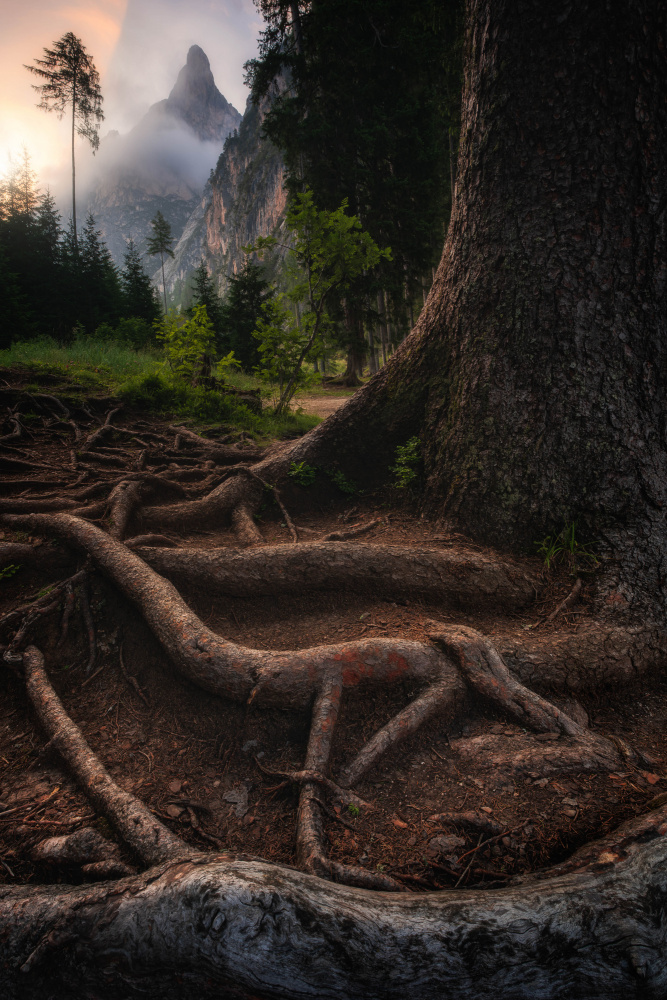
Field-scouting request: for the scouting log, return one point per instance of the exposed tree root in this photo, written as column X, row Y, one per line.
column 469, row 579
column 201, row 909
column 470, row 820
column 222, row 454
column 249, row 929
column 442, row 697
column 139, row 829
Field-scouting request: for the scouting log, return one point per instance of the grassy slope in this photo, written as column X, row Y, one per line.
column 140, row 378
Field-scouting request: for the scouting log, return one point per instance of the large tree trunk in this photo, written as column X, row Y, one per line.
column 537, row 372
column 536, row 379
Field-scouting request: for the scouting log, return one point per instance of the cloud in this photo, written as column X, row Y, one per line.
column 137, row 45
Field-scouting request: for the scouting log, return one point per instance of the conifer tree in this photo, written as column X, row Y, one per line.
column 248, row 292
column 160, row 243
column 72, row 85
column 204, row 294
column 139, row 297
column 101, row 296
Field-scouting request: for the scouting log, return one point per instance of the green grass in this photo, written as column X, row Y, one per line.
column 141, row 379
column 92, row 363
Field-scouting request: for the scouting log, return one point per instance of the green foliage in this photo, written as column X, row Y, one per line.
column 302, row 473
column 374, row 97
column 405, row 469
column 163, row 393
column 242, row 311
column 326, row 251
column 281, row 348
column 345, row 485
column 8, row 571
column 139, row 296
column 189, row 345
column 353, row 810
column 565, row 546
column 160, row 243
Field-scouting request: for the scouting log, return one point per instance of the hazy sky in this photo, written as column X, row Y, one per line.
column 138, row 47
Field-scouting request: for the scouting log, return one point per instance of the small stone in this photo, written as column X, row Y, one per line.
column 570, row 812
column 486, row 809
column 239, row 798
column 247, row 820
column 175, row 787
column 506, row 841
column 399, row 824
column 174, row 811
column 412, row 841
column 570, row 802
column 443, row 844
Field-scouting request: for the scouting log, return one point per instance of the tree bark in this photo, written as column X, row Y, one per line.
column 536, row 374
column 246, row 929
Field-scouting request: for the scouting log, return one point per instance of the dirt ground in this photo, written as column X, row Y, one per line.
column 199, row 762
column 322, row 405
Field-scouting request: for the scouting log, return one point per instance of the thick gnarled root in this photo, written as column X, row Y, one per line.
column 462, row 578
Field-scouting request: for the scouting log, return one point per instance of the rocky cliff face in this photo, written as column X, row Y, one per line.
column 163, row 163
column 244, row 198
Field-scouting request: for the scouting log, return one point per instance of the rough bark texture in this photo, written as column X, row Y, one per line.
column 246, row 929
column 536, row 375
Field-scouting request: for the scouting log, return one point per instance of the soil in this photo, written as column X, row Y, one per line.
column 200, row 762
column 322, row 405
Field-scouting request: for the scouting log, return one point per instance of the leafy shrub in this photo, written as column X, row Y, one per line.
column 302, row 473
column 340, row 480
column 405, row 469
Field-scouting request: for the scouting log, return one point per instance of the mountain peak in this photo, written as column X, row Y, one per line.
column 197, row 101
column 197, row 60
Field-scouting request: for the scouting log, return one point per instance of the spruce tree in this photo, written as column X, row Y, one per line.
column 204, row 294
column 72, row 85
column 160, row 243
column 241, row 311
column 101, row 296
column 139, row 296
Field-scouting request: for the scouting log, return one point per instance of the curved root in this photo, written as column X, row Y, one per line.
column 142, row 832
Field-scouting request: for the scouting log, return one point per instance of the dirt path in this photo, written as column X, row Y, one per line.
column 323, row 406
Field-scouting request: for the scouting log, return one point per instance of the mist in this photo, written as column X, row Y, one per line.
column 154, row 39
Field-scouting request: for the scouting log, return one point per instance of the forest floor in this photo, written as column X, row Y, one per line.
column 324, row 403
column 197, row 761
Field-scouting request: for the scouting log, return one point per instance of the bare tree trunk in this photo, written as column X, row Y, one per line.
column 382, row 307
column 74, row 230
